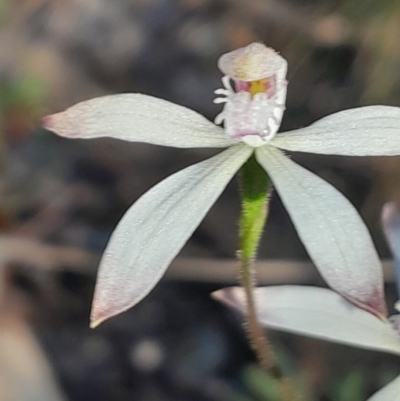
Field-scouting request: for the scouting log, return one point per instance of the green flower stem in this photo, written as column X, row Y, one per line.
column 255, row 186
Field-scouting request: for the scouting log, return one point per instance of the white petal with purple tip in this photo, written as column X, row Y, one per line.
column 316, row 312
column 331, row 230
column 138, row 118
column 154, row 230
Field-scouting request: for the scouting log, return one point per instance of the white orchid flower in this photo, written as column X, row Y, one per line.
column 324, row 314
column 157, row 226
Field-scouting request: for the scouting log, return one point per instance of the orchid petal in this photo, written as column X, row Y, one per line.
column 391, row 392
column 316, row 312
column 365, row 131
column 331, row 230
column 154, row 230
column 137, row 118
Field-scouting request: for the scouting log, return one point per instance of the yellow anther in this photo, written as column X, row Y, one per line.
column 259, row 86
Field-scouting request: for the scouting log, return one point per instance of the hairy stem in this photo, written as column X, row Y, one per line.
column 255, row 332
column 255, row 186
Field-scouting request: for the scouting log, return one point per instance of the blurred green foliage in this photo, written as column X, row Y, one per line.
column 351, row 388
column 26, row 92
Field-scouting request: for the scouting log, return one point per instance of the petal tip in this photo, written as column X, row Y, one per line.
column 101, row 311
column 378, row 304
column 105, row 307
column 374, row 304
column 61, row 124
column 99, row 314
column 218, row 295
column 95, row 324
column 47, row 122
column 97, row 317
column 232, row 297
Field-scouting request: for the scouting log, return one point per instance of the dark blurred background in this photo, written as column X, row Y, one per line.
column 60, row 199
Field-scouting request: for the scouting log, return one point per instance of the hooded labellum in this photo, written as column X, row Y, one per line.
column 254, row 111
column 163, row 219
column 323, row 314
